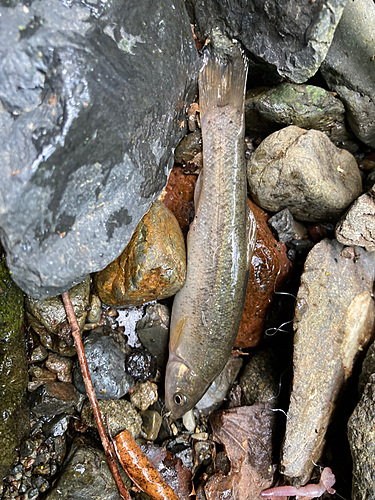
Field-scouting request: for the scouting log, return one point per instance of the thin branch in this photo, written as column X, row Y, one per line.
column 107, row 446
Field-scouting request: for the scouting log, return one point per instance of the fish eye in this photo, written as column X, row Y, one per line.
column 179, row 399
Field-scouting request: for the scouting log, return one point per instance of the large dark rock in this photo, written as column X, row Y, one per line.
column 291, row 36
column 91, row 108
column 349, row 67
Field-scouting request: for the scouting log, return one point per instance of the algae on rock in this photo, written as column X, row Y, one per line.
column 14, row 424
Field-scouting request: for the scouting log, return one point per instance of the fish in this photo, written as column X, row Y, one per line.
column 207, row 311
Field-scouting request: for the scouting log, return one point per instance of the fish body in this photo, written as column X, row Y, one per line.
column 207, row 310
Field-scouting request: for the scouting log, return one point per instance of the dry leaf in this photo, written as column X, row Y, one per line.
column 246, row 433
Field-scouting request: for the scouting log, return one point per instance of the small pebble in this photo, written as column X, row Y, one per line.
column 189, row 421
column 32, row 494
column 144, row 395
column 60, row 365
column 200, row 436
column 141, row 365
column 151, row 424
column 95, row 312
column 38, row 354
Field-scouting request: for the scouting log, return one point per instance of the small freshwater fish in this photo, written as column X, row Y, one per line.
column 207, row 310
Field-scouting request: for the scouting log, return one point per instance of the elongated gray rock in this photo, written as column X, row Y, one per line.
column 349, row 67
column 92, row 102
column 361, row 435
column 334, row 318
column 291, row 37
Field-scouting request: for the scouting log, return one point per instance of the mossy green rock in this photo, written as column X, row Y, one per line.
column 14, row 424
column 305, row 106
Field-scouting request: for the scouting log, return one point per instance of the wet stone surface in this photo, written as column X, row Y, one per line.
column 13, row 370
column 305, row 106
column 361, row 439
column 304, row 172
column 334, row 319
column 94, row 99
column 86, row 475
column 120, row 415
column 153, row 332
column 270, row 268
column 144, row 395
column 151, row 267
column 106, row 364
column 357, row 227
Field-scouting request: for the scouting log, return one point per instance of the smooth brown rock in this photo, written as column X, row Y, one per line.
column 361, row 434
column 303, row 171
column 61, row 366
column 178, row 196
column 270, row 269
column 358, row 225
column 151, row 267
column 334, row 319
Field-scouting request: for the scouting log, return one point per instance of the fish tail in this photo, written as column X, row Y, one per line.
column 222, row 80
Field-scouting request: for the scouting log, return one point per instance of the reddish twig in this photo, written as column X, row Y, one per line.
column 140, row 470
column 108, row 449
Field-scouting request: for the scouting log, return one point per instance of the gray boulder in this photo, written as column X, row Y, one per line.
column 291, row 36
column 91, row 108
column 349, row 67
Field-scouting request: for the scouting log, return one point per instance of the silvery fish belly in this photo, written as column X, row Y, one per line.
column 207, row 310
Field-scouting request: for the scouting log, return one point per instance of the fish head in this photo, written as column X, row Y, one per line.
column 183, row 387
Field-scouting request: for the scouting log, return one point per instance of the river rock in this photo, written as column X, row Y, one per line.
column 303, row 171
column 55, row 398
column 151, row 267
column 14, row 422
column 106, row 363
column 286, row 228
column 334, row 319
column 349, row 67
column 48, row 318
column 144, row 395
column 86, row 475
column 151, row 423
column 292, row 38
column 306, row 106
column 60, row 365
column 361, row 435
column 153, row 332
column 178, row 196
column 93, row 104
column 120, row 414
column 357, row 227
column 260, row 381
column 189, row 152
column 368, row 368
column 270, row 269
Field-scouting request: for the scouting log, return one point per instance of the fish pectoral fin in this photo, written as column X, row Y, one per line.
column 175, row 334
column 251, row 230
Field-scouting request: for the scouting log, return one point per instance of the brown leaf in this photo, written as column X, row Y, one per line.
column 246, row 433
